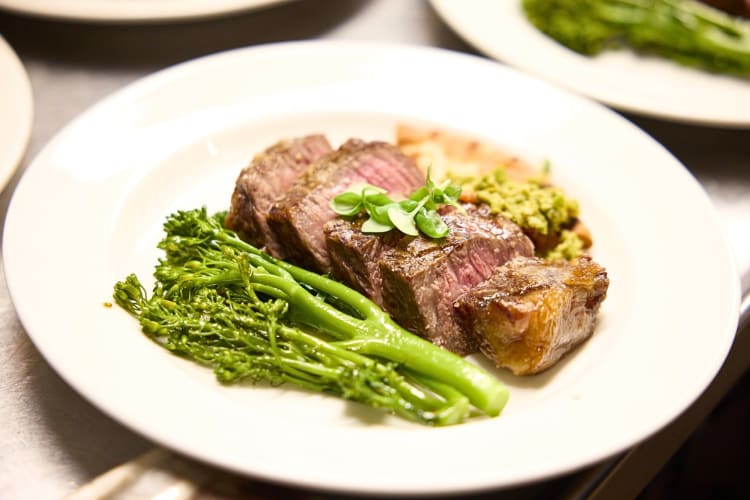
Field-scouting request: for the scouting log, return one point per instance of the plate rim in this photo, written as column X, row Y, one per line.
column 134, row 11
column 175, row 73
column 445, row 9
column 22, row 96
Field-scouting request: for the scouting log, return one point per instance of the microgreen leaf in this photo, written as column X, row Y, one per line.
column 408, row 205
column 351, row 201
column 380, row 214
column 430, row 223
column 403, row 220
column 347, row 204
column 451, row 194
column 376, row 205
column 373, row 226
column 377, row 199
column 420, row 193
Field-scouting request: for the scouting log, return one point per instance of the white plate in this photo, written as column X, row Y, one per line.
column 16, row 112
column 179, row 138
column 133, row 10
column 645, row 85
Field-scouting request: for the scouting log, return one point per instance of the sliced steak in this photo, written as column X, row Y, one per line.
column 268, row 177
column 355, row 256
column 422, row 277
column 299, row 217
column 531, row 311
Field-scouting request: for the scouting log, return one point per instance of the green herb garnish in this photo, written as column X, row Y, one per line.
column 418, row 213
column 542, row 211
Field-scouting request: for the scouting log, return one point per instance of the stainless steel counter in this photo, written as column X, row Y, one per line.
column 53, row 441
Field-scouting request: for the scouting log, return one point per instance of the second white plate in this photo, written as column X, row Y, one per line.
column 646, row 85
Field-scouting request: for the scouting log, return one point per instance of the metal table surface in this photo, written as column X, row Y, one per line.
column 53, row 441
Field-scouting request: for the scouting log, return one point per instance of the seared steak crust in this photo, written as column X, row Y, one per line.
column 268, row 177
column 355, row 256
column 531, row 311
column 298, row 218
column 421, row 277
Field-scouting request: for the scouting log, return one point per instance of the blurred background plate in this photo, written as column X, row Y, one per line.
column 16, row 112
column 650, row 86
column 133, row 10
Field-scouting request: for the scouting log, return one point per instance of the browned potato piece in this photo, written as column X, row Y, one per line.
column 445, row 152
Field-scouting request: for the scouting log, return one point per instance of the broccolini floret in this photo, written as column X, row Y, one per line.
column 686, row 31
column 221, row 302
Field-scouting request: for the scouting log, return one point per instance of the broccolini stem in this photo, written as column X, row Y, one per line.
column 286, row 355
column 481, row 388
column 377, row 334
column 359, row 302
column 224, row 303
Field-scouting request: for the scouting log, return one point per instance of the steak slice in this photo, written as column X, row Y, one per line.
column 422, row 277
column 269, row 176
column 355, row 256
column 299, row 217
column 531, row 311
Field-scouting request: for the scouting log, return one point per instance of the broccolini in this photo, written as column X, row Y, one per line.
column 221, row 302
column 686, row 31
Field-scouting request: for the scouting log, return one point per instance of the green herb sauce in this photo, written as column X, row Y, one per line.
column 537, row 207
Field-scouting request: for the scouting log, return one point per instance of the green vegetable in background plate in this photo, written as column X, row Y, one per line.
column 686, row 31
column 223, row 303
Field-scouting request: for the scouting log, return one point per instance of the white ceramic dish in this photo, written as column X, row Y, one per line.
column 133, row 10
column 179, row 138
column 645, row 85
column 16, row 112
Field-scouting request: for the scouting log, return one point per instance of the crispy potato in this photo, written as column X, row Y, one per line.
column 446, row 152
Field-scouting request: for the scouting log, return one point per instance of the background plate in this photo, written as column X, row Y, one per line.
column 133, row 10
column 16, row 112
column 179, row 138
column 645, row 85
